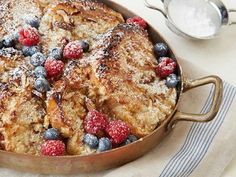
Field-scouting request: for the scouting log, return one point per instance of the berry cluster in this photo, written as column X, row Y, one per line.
column 166, row 66
column 52, row 145
column 102, row 134
column 53, row 64
column 45, row 67
column 29, row 37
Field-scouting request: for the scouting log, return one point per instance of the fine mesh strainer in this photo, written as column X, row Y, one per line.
column 195, row 19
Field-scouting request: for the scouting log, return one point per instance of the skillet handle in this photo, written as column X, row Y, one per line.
column 217, row 99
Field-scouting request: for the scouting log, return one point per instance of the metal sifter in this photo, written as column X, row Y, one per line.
column 195, row 19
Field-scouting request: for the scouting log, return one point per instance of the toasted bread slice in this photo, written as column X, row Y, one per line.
column 68, row 104
column 65, row 105
column 118, row 79
column 65, row 21
column 12, row 64
column 14, row 14
column 9, row 59
column 21, row 107
column 21, row 122
column 123, row 66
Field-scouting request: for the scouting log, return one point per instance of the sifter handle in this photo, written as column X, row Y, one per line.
column 160, row 9
column 231, row 11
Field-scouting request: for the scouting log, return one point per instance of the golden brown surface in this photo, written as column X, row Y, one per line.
column 21, row 129
column 123, row 68
column 9, row 59
column 21, row 112
column 15, row 12
column 75, row 20
column 118, row 79
column 68, row 105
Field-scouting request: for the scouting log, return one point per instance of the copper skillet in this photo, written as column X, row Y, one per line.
column 116, row 157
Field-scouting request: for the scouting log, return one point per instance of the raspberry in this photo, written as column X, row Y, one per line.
column 29, row 36
column 53, row 67
column 165, row 67
column 118, row 131
column 95, row 122
column 138, row 21
column 73, row 50
column 53, row 148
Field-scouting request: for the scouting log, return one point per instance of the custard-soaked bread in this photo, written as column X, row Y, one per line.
column 14, row 14
column 70, row 100
column 10, row 59
column 75, row 20
column 67, row 106
column 123, row 67
column 21, row 110
column 118, row 79
column 21, row 119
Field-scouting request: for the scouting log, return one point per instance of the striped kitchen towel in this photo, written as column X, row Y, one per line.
column 191, row 149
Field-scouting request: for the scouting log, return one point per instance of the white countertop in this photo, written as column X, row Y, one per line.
column 218, row 55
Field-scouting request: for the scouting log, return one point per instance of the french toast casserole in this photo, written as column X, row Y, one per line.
column 77, row 78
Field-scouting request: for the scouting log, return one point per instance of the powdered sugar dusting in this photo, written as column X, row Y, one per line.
column 13, row 14
column 16, row 73
column 125, row 85
column 9, row 52
column 125, row 65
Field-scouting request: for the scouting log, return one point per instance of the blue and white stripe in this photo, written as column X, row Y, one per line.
column 199, row 138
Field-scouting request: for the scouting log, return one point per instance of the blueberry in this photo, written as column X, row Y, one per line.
column 90, row 140
column 40, row 71
column 130, row 139
column 33, row 21
column 42, row 85
column 38, row 59
column 172, row 81
column 161, row 50
column 85, row 46
column 51, row 134
column 8, row 41
column 55, row 53
column 104, row 145
column 29, row 51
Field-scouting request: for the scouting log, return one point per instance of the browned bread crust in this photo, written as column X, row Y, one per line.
column 21, row 129
column 118, row 79
column 123, row 67
column 21, row 112
column 76, row 20
column 15, row 12
column 68, row 104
